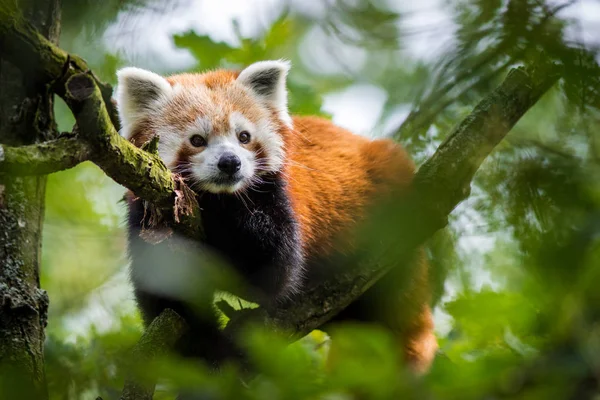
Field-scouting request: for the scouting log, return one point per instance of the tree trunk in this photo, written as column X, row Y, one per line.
column 26, row 116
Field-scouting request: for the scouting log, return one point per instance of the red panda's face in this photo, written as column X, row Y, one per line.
column 222, row 131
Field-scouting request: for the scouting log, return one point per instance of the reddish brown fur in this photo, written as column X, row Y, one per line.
column 229, row 97
column 333, row 176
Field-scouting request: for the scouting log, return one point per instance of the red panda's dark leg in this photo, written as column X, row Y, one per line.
column 161, row 275
column 258, row 235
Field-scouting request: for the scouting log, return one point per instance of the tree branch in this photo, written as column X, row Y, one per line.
column 140, row 171
column 420, row 119
column 439, row 186
column 89, row 100
column 116, row 156
column 158, row 339
column 43, row 158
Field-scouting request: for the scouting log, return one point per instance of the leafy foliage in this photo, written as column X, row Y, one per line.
column 514, row 275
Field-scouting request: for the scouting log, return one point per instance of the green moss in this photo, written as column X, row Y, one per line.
column 8, row 12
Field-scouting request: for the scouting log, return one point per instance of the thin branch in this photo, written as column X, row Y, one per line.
column 421, row 117
column 43, row 158
column 157, row 341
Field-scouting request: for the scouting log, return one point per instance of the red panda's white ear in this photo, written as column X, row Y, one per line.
column 267, row 81
column 139, row 92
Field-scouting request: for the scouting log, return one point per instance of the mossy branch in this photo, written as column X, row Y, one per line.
column 43, row 158
column 39, row 59
column 142, row 172
column 116, row 156
column 90, row 101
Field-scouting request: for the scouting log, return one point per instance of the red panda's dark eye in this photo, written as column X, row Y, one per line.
column 244, row 137
column 198, row 141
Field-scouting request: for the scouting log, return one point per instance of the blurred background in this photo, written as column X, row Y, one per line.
column 516, row 273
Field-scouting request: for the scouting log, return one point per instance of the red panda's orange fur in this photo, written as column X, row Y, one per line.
column 332, row 173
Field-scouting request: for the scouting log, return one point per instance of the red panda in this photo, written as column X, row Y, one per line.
column 279, row 196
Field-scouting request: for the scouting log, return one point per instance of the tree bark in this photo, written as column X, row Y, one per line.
column 26, row 117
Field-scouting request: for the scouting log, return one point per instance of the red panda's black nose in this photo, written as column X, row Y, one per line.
column 229, row 163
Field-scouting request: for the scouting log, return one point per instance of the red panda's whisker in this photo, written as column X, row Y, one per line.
column 239, row 197
column 256, row 190
column 244, row 193
column 298, row 133
column 254, row 187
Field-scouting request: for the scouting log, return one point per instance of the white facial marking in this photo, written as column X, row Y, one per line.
column 205, row 165
column 272, row 145
column 169, row 144
column 238, row 123
column 202, row 126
